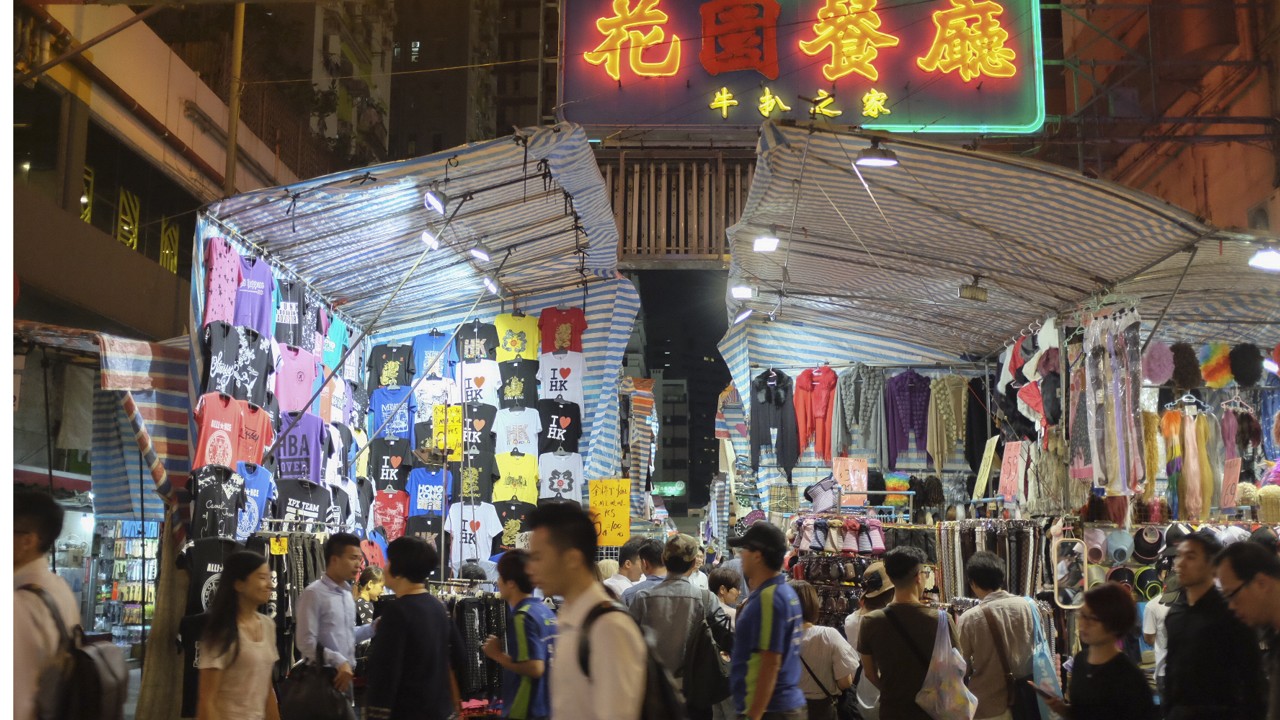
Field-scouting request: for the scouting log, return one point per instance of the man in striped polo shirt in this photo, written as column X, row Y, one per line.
column 764, row 675
column 530, row 628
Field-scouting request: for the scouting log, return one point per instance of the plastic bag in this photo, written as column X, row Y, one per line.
column 944, row 695
column 1043, row 668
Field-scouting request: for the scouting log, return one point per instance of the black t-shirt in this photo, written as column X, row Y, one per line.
column 221, row 355
column 290, row 311
column 473, row 477
column 519, row 383
column 347, row 438
column 365, row 493
column 300, row 501
column 204, row 563
column 359, row 404
column 272, row 406
column 431, row 529
column 408, row 673
column 190, row 629
column 514, row 516
column 477, row 428
column 1115, row 690
column 254, row 367
column 390, row 461
column 477, row 341
column 561, row 426
column 390, row 366
column 219, row 494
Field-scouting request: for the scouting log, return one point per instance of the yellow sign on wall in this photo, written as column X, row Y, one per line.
column 611, row 507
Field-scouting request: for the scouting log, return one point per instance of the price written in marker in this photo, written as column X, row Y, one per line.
column 611, row 507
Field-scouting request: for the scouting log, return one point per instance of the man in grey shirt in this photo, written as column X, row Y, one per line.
column 1001, row 622
column 327, row 610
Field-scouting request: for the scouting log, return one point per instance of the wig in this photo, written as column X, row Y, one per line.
column 1186, row 367
column 1157, row 363
column 1215, row 364
column 1246, row 364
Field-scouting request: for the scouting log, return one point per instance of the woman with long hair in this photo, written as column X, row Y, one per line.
column 238, row 648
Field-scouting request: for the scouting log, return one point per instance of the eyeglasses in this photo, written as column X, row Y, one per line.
column 1229, row 596
column 1087, row 616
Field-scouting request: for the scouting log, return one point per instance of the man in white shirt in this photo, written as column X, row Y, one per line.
column 1153, row 629
column 37, row 523
column 629, row 570
column 562, row 561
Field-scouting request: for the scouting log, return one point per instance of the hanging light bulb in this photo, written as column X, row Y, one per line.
column 876, row 156
column 1268, row 258
column 766, row 243
column 481, row 252
column 742, row 316
column 742, row 292
column 491, row 284
column 430, row 240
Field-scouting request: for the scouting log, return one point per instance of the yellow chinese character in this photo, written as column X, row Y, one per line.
column 724, row 100
column 621, row 29
column 770, row 102
column 873, row 104
column 969, row 39
column 822, row 105
column 851, row 30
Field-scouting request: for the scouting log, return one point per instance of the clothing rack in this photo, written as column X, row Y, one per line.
column 966, row 365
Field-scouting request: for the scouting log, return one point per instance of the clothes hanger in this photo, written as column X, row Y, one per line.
column 435, row 333
column 561, row 452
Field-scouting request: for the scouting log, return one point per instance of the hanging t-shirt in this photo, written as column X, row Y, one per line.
column 336, row 458
column 517, row 478
column 560, row 477
column 477, row 341
column 514, row 516
column 474, row 477
column 219, row 498
column 390, row 366
column 255, row 296
column 353, row 368
column 562, row 329
column 272, row 408
column 218, row 424
column 364, row 495
column 301, row 501
column 289, row 312
column 431, row 392
column 204, row 563
column 349, row 492
column 393, row 412
column 316, row 304
column 373, row 554
column 478, row 381
column 428, row 491
column 335, row 341
column 256, row 434
column 259, row 491
column 561, row 426
column 429, row 528
column 301, row 450
column 359, row 405
column 560, row 376
column 426, row 347
column 518, row 430
column 478, row 423
column 390, row 461
column 361, row 461
column 473, row 528
column 221, row 355
column 255, row 364
column 390, row 509
column 323, row 392
column 518, row 337
column 341, row 403
column 519, row 383
column 446, row 429
column 222, row 279
column 296, row 378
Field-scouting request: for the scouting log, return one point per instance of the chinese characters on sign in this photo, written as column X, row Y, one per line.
column 925, row 65
column 610, row 505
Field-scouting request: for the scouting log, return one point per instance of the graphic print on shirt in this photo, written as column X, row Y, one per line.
column 222, row 350
column 516, row 342
column 560, row 482
column 390, row 373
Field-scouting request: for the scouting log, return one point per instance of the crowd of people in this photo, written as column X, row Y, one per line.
column 740, row 641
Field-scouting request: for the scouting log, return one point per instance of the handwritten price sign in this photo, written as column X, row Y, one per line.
column 611, row 507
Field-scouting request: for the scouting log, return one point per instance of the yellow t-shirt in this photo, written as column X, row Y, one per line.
column 448, row 434
column 518, row 478
column 518, row 337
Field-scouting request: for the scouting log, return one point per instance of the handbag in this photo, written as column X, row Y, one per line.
column 308, row 693
column 706, row 677
column 1043, row 667
column 1021, row 698
column 846, row 703
column 943, row 695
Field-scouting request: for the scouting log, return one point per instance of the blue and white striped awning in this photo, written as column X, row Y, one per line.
column 886, row 259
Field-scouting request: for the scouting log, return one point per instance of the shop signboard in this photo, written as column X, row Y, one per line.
column 942, row 66
column 610, row 506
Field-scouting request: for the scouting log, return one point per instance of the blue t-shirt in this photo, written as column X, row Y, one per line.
column 335, row 341
column 770, row 620
column 428, row 491
column 381, row 404
column 425, row 348
column 530, row 630
column 259, row 489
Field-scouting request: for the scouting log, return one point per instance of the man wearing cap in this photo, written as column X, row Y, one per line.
column 1213, row 668
column 674, row 610
column 1249, row 575
column 764, row 673
column 995, row 635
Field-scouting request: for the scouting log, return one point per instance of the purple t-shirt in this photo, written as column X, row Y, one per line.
column 256, row 297
column 300, row 450
column 222, row 277
column 295, row 378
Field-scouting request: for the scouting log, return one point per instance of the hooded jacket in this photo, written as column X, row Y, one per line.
column 773, row 407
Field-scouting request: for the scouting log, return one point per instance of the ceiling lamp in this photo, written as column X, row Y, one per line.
column 435, row 200
column 766, row 243
column 430, row 240
column 876, row 156
column 481, row 252
column 742, row 316
column 742, row 292
column 974, row 291
column 491, row 284
column 1270, row 366
column 1268, row 258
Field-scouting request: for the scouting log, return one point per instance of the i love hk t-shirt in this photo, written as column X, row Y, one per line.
column 560, row 376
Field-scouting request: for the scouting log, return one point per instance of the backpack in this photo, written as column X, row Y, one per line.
column 86, row 680
column 662, row 701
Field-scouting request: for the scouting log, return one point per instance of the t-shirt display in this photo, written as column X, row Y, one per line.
column 218, row 422
column 428, row 491
column 359, row 403
column 353, row 368
column 473, row 528
column 562, row 329
column 259, row 491
column 349, row 492
column 431, row 529
column 221, row 354
column 290, row 297
column 473, row 477
column 432, row 392
column 477, row 341
column 390, row 460
column 303, row 502
column 518, row 337
column 390, row 366
column 517, row 478
column 426, row 347
column 478, row 422
column 316, row 306
column 365, row 493
column 446, row 427
column 219, row 498
column 301, row 448
column 340, row 405
column 323, row 391
column 255, row 296
column 560, row 376
column 335, row 341
column 296, row 378
column 222, row 279
column 478, row 381
column 256, row 433
column 514, row 516
column 560, row 476
column 393, row 409
column 204, row 565
column 390, row 510
column 518, row 430
column 519, row 383
column 561, row 426
column 255, row 363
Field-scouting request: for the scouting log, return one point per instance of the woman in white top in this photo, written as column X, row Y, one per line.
column 238, row 648
column 829, row 662
column 877, row 591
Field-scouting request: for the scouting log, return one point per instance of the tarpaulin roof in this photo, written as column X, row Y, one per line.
column 886, row 258
column 354, row 236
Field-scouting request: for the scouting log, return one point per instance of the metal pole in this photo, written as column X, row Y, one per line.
column 233, row 107
column 79, row 49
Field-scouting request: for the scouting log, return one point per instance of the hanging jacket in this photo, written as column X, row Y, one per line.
column 976, row 423
column 859, row 405
column 907, row 405
column 815, row 393
column 773, row 408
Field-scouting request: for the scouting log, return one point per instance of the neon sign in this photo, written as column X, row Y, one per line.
column 954, row 66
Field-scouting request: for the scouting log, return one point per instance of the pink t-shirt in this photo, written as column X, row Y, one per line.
column 296, row 379
column 222, row 281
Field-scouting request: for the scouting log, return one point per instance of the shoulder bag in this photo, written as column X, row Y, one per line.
column 1021, row 698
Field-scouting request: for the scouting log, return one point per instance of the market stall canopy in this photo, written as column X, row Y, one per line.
column 883, row 251
column 535, row 200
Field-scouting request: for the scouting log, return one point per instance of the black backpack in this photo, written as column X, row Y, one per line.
column 86, row 680
column 662, row 701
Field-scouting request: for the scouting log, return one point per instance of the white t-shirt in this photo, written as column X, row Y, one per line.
column 35, row 635
column 478, row 381
column 615, row 688
column 830, row 658
column 699, row 579
column 473, row 528
column 561, row 477
column 1153, row 624
column 517, row 430
column 868, row 694
column 246, row 681
column 619, row 583
column 432, row 392
column 562, row 375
